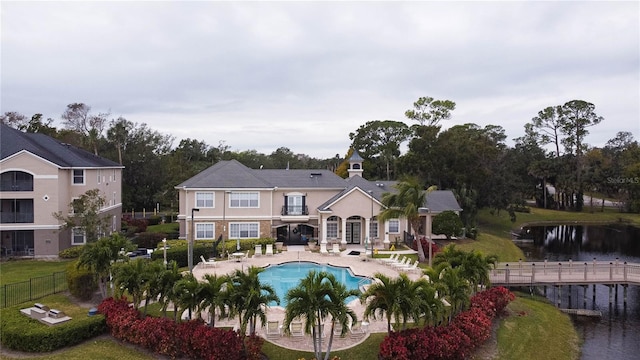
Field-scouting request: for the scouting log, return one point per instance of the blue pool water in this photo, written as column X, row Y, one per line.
column 286, row 276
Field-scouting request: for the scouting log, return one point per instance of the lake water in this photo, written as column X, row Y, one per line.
column 617, row 334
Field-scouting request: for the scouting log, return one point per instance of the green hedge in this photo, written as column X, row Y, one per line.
column 71, row 253
column 81, row 282
column 20, row 333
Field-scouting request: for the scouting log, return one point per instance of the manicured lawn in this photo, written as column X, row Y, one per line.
column 22, row 270
column 489, row 244
column 534, row 328
column 103, row 349
column 164, row 228
column 367, row 350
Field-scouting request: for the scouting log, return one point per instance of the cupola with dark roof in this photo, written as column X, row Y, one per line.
column 355, row 165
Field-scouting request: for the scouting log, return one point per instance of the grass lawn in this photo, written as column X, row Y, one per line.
column 164, row 228
column 535, row 325
column 22, row 270
column 103, row 349
column 367, row 350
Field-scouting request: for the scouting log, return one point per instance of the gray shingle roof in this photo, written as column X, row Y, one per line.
column 13, row 141
column 437, row 200
column 442, row 200
column 232, row 174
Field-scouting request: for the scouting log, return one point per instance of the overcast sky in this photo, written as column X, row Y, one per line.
column 303, row 75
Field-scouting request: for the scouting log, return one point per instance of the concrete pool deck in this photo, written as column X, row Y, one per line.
column 355, row 262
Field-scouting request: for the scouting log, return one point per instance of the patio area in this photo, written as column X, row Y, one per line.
column 355, row 262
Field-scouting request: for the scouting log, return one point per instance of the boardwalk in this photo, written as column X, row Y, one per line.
column 565, row 273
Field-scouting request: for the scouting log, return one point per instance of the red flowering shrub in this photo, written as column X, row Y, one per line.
column 457, row 340
column 253, row 345
column 191, row 339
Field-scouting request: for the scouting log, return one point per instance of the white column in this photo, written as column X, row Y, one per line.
column 324, row 229
column 344, row 232
column 367, row 230
column 386, row 234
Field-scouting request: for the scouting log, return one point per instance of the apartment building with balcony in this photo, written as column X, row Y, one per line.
column 40, row 176
column 294, row 206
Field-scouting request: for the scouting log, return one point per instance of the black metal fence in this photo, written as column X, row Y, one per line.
column 32, row 289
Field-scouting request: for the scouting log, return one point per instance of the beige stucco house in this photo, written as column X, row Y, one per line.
column 232, row 201
column 41, row 176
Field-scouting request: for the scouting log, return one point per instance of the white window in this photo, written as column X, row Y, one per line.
column 78, row 177
column 332, row 227
column 99, row 176
column 114, row 223
column 373, row 229
column 114, row 175
column 204, row 199
column 244, row 200
column 294, row 205
column 244, row 230
column 78, row 237
column 113, row 199
column 394, row 226
column 205, row 231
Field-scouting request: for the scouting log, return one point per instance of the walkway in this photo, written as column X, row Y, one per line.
column 565, row 273
column 356, row 263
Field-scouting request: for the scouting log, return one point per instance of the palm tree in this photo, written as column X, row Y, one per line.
column 317, row 296
column 452, row 286
column 474, row 266
column 249, row 298
column 99, row 256
column 406, row 202
column 340, row 312
column 153, row 282
column 186, row 290
column 429, row 307
column 168, row 278
column 398, row 298
column 129, row 276
column 214, row 296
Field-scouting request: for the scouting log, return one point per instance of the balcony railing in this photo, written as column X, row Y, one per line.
column 294, row 210
column 12, row 218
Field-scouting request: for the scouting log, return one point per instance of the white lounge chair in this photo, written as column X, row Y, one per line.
column 391, row 259
column 336, row 249
column 269, row 250
column 356, row 329
column 273, row 329
column 258, row 250
column 206, row 263
column 296, row 329
column 323, row 249
column 410, row 267
column 401, row 263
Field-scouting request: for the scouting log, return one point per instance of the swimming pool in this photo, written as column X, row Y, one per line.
column 287, row 275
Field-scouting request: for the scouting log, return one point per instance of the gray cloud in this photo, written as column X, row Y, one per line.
column 262, row 75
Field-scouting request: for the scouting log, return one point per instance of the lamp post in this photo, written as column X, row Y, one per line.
column 164, row 245
column 371, row 222
column 190, row 243
column 429, row 235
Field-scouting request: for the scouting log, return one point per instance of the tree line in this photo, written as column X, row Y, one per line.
column 551, row 162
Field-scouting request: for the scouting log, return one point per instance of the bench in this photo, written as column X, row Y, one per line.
column 56, row 314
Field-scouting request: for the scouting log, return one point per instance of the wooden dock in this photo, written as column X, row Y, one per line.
column 583, row 312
